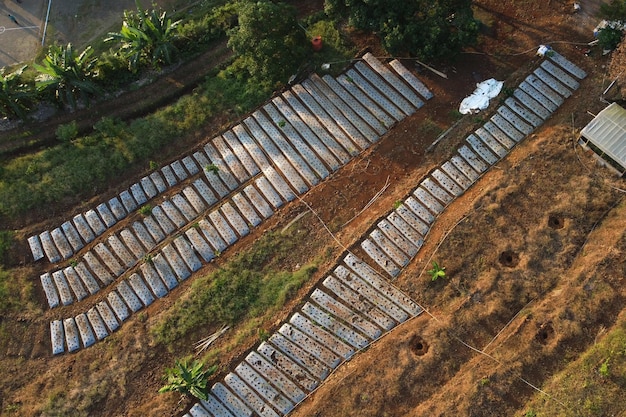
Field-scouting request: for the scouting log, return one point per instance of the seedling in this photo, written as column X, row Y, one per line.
column 282, row 123
column 212, row 168
column 397, row 204
column 437, row 272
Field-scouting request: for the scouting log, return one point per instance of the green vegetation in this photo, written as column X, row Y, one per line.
column 269, row 43
column 428, row 29
column 437, row 272
column 67, row 75
column 16, row 96
column 594, row 384
column 615, row 10
column 67, row 132
column 251, row 285
column 610, row 37
column 188, row 379
column 145, row 210
column 6, row 241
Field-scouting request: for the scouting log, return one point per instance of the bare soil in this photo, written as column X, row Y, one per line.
column 534, row 255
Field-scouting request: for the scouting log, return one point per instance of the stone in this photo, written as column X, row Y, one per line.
column 230, row 159
column 194, row 199
column 148, row 187
column 246, row 209
column 106, row 215
column 97, row 324
column 49, row 247
column 109, row 260
column 87, row 279
column 235, row 219
column 94, row 222
column 56, row 337
column 83, row 228
column 164, row 270
column 72, row 236
column 75, row 283
column 380, row 257
column 84, row 330
column 60, row 241
column 71, row 334
column 129, row 296
column 139, row 287
column 35, row 247
column 241, row 153
column 411, row 79
column 101, row 272
column 176, row 262
column 49, row 289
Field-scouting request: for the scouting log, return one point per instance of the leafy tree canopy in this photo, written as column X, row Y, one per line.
column 615, row 10
column 428, row 29
column 269, row 43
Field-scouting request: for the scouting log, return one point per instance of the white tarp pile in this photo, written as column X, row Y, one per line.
column 479, row 100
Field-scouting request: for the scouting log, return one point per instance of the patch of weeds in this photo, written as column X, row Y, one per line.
column 397, row 204
column 455, row 114
column 530, row 413
column 437, row 272
column 74, row 263
column 212, row 168
column 147, row 258
column 264, row 335
column 282, row 123
column 67, row 132
column 484, row 381
column 508, row 91
column 145, row 210
column 153, row 166
column 478, row 120
column 604, row 369
column 430, row 127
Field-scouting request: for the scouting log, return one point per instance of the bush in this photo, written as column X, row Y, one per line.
column 609, row 38
column 67, row 132
column 615, row 10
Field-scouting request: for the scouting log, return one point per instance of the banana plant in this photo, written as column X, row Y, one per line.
column 188, row 379
column 16, row 97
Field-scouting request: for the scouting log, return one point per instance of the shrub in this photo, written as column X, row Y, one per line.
column 67, row 132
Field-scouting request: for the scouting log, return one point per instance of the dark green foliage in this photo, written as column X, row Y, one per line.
column 16, row 96
column 188, row 379
column 428, row 29
column 248, row 286
column 6, row 241
column 198, row 32
column 269, row 43
column 609, row 37
column 146, row 37
column 68, row 76
column 615, row 10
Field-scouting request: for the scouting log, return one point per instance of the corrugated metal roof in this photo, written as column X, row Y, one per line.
column 608, row 132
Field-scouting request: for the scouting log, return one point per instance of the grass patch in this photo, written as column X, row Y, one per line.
column 6, row 241
column 594, row 384
column 15, row 293
column 250, row 286
column 77, row 167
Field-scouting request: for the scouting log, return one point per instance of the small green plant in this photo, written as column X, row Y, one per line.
column 263, row 335
column 437, row 272
column 145, row 210
column 508, row 91
column 147, row 258
column 604, row 368
column 188, row 379
column 153, row 165
column 73, row 263
column 530, row 413
column 397, row 204
column 484, row 381
column 282, row 123
column 212, row 168
column 67, row 132
column 350, row 80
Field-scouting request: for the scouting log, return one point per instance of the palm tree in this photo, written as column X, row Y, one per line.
column 146, row 36
column 16, row 97
column 188, row 379
column 68, row 75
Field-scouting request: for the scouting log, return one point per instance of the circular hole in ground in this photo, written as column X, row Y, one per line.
column 556, row 221
column 418, row 345
column 508, row 258
column 545, row 333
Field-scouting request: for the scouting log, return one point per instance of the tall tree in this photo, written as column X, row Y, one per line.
column 146, row 36
column 270, row 44
column 67, row 75
column 428, row 29
column 16, row 96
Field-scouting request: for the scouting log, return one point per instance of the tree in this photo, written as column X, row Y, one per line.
column 428, row 29
column 615, row 10
column 609, row 37
column 146, row 36
column 67, row 75
column 188, row 379
column 16, row 97
column 270, row 44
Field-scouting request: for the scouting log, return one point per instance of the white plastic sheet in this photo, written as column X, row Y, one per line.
column 479, row 100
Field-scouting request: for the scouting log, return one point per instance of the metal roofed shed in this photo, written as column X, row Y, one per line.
column 606, row 136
